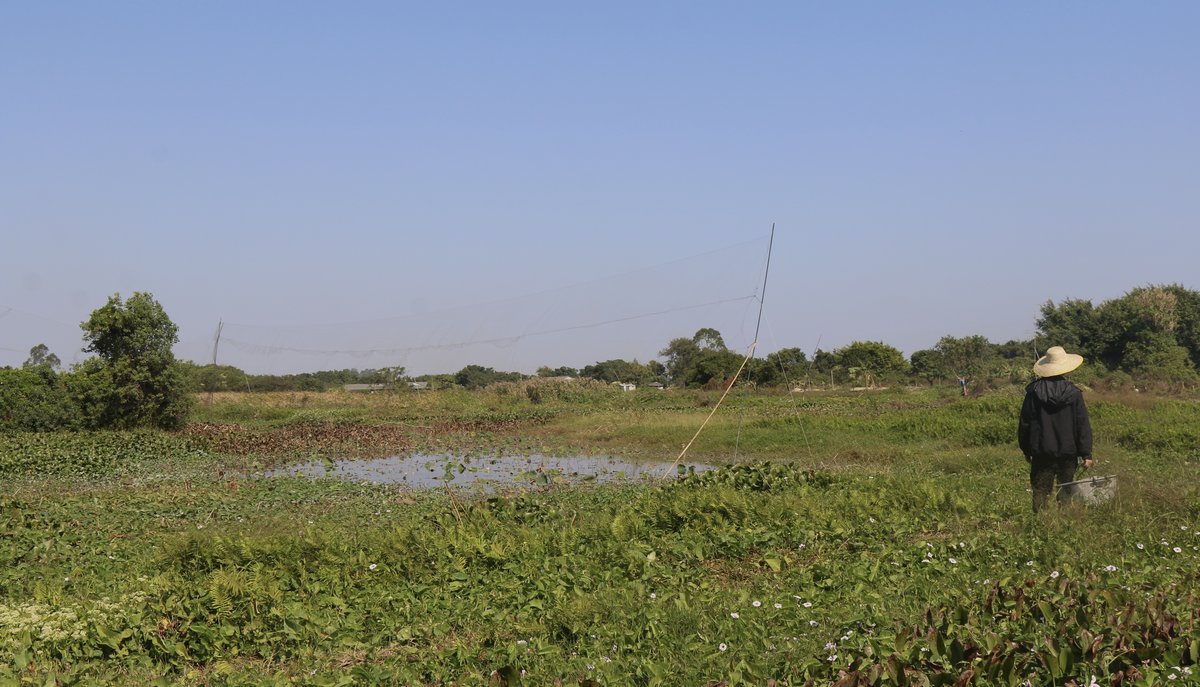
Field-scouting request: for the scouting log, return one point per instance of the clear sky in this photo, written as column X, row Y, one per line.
column 527, row 183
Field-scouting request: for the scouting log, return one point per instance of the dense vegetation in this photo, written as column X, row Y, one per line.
column 877, row 539
column 1148, row 338
column 133, row 380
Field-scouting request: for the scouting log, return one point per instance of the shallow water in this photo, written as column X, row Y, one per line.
column 425, row 471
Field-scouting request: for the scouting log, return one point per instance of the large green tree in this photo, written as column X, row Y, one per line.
column 477, row 376
column 624, row 371
column 870, row 361
column 787, row 366
column 699, row 360
column 680, row 354
column 968, row 357
column 927, row 364
column 1073, row 324
column 40, row 356
column 1151, row 331
column 134, row 379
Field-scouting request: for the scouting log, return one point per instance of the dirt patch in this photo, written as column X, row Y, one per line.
column 308, row 439
column 337, row 438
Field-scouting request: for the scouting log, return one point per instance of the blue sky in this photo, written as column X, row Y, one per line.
column 519, row 184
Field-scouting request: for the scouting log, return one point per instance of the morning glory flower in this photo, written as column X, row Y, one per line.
column 722, row 646
column 756, row 604
column 1054, row 575
column 734, row 615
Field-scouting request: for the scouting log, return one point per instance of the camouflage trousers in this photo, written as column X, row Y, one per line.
column 1043, row 472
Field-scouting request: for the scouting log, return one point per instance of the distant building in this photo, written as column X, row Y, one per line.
column 364, row 387
column 626, row 386
column 656, row 385
column 418, row 386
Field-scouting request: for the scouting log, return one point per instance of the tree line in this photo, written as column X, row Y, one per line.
column 1148, row 336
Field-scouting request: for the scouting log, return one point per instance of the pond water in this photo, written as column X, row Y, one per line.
column 424, row 471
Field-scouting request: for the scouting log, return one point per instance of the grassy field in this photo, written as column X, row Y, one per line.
column 858, row 539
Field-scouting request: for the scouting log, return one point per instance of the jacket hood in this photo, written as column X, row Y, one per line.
column 1054, row 392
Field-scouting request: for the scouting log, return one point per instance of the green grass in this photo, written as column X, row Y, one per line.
column 892, row 530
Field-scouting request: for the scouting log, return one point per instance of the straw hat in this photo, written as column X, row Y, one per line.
column 1056, row 362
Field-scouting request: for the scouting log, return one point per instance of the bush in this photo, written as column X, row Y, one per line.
column 135, row 380
column 35, row 400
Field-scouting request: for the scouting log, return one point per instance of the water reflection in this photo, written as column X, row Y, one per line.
column 421, row 470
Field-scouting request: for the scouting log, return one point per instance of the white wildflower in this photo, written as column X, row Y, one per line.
column 722, row 646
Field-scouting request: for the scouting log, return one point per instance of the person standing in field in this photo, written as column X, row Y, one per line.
column 1053, row 431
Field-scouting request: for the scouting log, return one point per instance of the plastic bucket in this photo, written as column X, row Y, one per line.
column 1092, row 489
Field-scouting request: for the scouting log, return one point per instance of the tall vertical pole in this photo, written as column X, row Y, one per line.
column 216, row 344
column 762, row 300
column 217, row 339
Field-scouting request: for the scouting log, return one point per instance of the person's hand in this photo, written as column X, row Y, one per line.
column 1088, row 463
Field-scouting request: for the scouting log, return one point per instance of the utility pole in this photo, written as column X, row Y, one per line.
column 216, row 344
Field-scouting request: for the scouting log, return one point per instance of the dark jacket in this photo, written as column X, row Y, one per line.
column 1054, row 421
